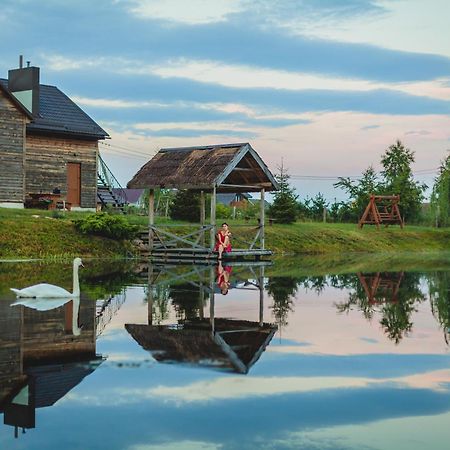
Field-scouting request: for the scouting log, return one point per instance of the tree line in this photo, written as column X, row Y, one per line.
column 395, row 178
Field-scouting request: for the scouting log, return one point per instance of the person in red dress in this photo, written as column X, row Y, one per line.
column 223, row 278
column 223, row 240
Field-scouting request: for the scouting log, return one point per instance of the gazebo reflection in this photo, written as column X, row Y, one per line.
column 218, row 343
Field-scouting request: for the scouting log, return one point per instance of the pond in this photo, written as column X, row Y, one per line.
column 307, row 353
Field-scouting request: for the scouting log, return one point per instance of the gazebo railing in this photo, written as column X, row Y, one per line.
column 200, row 237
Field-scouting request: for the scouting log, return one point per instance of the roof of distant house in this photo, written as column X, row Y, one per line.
column 59, row 114
column 131, row 195
column 226, row 198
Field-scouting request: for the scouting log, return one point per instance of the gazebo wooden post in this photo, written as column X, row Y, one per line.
column 150, row 294
column 261, row 296
column 151, row 218
column 213, row 219
column 211, row 298
column 261, row 219
column 202, row 216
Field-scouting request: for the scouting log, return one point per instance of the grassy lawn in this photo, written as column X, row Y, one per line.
column 27, row 233
column 43, row 234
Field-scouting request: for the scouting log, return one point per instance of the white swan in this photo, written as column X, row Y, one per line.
column 46, row 304
column 50, row 291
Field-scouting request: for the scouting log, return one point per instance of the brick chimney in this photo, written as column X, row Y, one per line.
column 24, row 85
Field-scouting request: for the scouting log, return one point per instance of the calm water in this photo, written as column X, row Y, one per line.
column 301, row 354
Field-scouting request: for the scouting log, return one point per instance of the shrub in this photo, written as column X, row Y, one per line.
column 223, row 211
column 186, row 206
column 103, row 224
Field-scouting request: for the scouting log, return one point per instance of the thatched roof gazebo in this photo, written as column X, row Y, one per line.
column 211, row 169
column 215, row 342
column 234, row 345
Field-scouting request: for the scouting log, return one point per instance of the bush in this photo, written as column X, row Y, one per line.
column 103, row 224
column 186, row 206
column 223, row 211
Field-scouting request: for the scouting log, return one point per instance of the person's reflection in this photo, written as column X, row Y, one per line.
column 223, row 278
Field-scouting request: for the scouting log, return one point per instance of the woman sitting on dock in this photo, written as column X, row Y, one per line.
column 223, row 243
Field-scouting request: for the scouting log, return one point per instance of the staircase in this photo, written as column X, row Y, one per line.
column 109, row 191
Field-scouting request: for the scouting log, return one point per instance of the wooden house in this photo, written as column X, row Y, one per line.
column 47, row 143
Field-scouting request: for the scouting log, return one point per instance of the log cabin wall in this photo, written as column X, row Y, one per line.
column 46, row 165
column 12, row 151
column 45, row 336
column 10, row 349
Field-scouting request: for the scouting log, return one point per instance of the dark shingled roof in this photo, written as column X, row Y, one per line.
column 59, row 114
column 204, row 167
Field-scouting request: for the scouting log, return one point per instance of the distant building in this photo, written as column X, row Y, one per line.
column 133, row 197
column 47, row 143
column 239, row 200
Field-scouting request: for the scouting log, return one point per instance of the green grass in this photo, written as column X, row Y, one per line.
column 319, row 238
column 37, row 234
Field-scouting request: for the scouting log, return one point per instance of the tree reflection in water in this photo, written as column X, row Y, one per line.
column 439, row 291
column 283, row 291
column 394, row 296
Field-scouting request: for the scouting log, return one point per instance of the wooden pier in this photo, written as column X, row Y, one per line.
column 227, row 168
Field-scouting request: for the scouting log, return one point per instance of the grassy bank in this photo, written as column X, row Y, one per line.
column 319, row 238
column 38, row 234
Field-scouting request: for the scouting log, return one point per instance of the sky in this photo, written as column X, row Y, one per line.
column 322, row 87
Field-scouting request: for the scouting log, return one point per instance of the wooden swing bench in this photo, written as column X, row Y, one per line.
column 382, row 210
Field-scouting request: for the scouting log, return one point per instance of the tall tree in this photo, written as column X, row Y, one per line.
column 359, row 191
column 440, row 197
column 398, row 179
column 186, row 206
column 284, row 206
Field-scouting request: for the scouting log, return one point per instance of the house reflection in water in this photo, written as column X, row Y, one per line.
column 219, row 343
column 43, row 357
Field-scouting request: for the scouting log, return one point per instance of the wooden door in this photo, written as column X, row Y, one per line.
column 74, row 183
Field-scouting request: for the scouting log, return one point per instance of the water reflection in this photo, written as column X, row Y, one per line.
column 393, row 295
column 44, row 354
column 315, row 346
column 215, row 342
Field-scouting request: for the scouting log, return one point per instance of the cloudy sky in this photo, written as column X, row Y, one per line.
column 325, row 85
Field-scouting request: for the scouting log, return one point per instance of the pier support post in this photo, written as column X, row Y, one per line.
column 261, row 296
column 213, row 218
column 211, row 298
column 202, row 216
column 150, row 294
column 151, row 218
column 261, row 220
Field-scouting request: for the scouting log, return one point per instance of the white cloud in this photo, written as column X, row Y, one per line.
column 190, row 12
column 241, row 76
column 115, row 103
column 234, row 387
column 178, row 445
column 409, row 25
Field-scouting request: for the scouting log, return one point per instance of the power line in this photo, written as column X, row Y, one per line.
column 129, row 151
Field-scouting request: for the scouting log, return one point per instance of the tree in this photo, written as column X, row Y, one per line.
column 359, row 191
column 284, row 206
column 398, row 179
column 440, row 197
column 283, row 291
column 186, row 206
